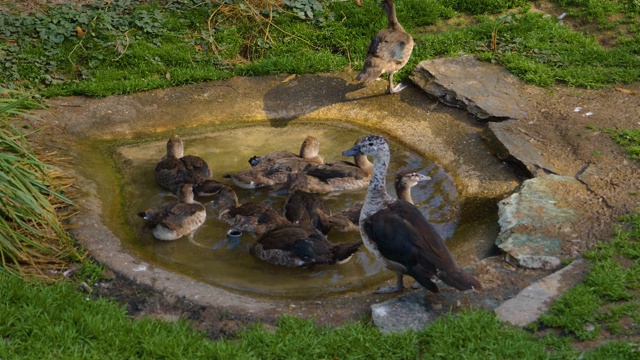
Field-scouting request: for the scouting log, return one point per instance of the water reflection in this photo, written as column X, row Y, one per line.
column 214, row 258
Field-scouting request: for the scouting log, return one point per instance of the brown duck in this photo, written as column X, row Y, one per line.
column 305, row 208
column 252, row 217
column 389, row 50
column 175, row 169
column 272, row 170
column 173, row 220
column 296, row 245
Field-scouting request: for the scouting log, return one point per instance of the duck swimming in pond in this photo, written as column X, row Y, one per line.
column 174, row 220
column 396, row 232
column 338, row 175
column 349, row 219
column 309, row 149
column 252, row 217
column 175, row 169
column 296, row 245
column 305, row 208
column 389, row 50
column 272, row 170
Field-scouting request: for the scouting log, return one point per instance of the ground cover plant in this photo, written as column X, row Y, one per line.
column 104, row 48
column 32, row 237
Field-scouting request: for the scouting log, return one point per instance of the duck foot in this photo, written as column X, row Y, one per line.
column 397, row 88
column 398, row 287
column 389, row 289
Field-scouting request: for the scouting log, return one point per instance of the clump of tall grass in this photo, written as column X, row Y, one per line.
column 33, row 239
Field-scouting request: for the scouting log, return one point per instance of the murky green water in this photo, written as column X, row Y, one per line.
column 214, row 259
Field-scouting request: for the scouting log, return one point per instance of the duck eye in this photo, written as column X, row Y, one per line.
column 370, row 144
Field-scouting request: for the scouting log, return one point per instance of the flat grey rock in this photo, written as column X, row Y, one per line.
column 487, row 91
column 535, row 299
column 404, row 313
column 510, row 144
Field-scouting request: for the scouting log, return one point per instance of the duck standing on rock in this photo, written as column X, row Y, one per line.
column 174, row 220
column 296, row 245
column 349, row 219
column 396, row 232
column 389, row 50
column 175, row 169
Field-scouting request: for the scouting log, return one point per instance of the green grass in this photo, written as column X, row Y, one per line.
column 58, row 321
column 629, row 139
column 119, row 47
column 610, row 291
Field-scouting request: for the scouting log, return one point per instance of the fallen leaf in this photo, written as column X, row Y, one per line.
column 198, row 47
column 626, row 91
column 79, row 31
column 168, row 76
column 291, row 77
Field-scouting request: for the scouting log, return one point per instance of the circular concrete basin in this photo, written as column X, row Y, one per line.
column 126, row 134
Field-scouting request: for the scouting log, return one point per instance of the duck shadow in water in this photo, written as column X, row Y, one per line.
column 301, row 95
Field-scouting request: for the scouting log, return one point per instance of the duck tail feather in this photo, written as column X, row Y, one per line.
column 342, row 252
column 460, row 280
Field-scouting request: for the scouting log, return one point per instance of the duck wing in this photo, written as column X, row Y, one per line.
column 405, row 237
column 307, row 208
column 386, row 49
column 196, row 166
column 184, row 214
column 292, row 245
column 169, row 173
column 303, row 245
column 339, row 169
column 348, row 219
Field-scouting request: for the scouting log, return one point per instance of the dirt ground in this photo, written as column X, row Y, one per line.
column 567, row 125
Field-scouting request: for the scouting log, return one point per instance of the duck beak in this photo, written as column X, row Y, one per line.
column 423, row 177
column 354, row 151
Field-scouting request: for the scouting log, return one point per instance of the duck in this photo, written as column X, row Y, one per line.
column 338, row 175
column 302, row 207
column 272, row 170
column 309, row 149
column 298, row 245
column 173, row 220
column 349, row 219
column 252, row 217
column 397, row 233
column 175, row 169
column 389, row 50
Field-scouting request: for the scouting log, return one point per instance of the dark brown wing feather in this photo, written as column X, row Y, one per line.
column 404, row 236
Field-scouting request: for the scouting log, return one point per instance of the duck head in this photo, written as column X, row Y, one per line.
column 371, row 145
column 411, row 179
column 175, row 147
column 310, row 148
column 185, row 193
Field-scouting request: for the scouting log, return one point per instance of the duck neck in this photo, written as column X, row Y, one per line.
column 363, row 163
column 377, row 196
column 404, row 192
column 390, row 9
column 228, row 200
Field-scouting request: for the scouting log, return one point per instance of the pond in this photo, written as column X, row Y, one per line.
column 214, row 259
